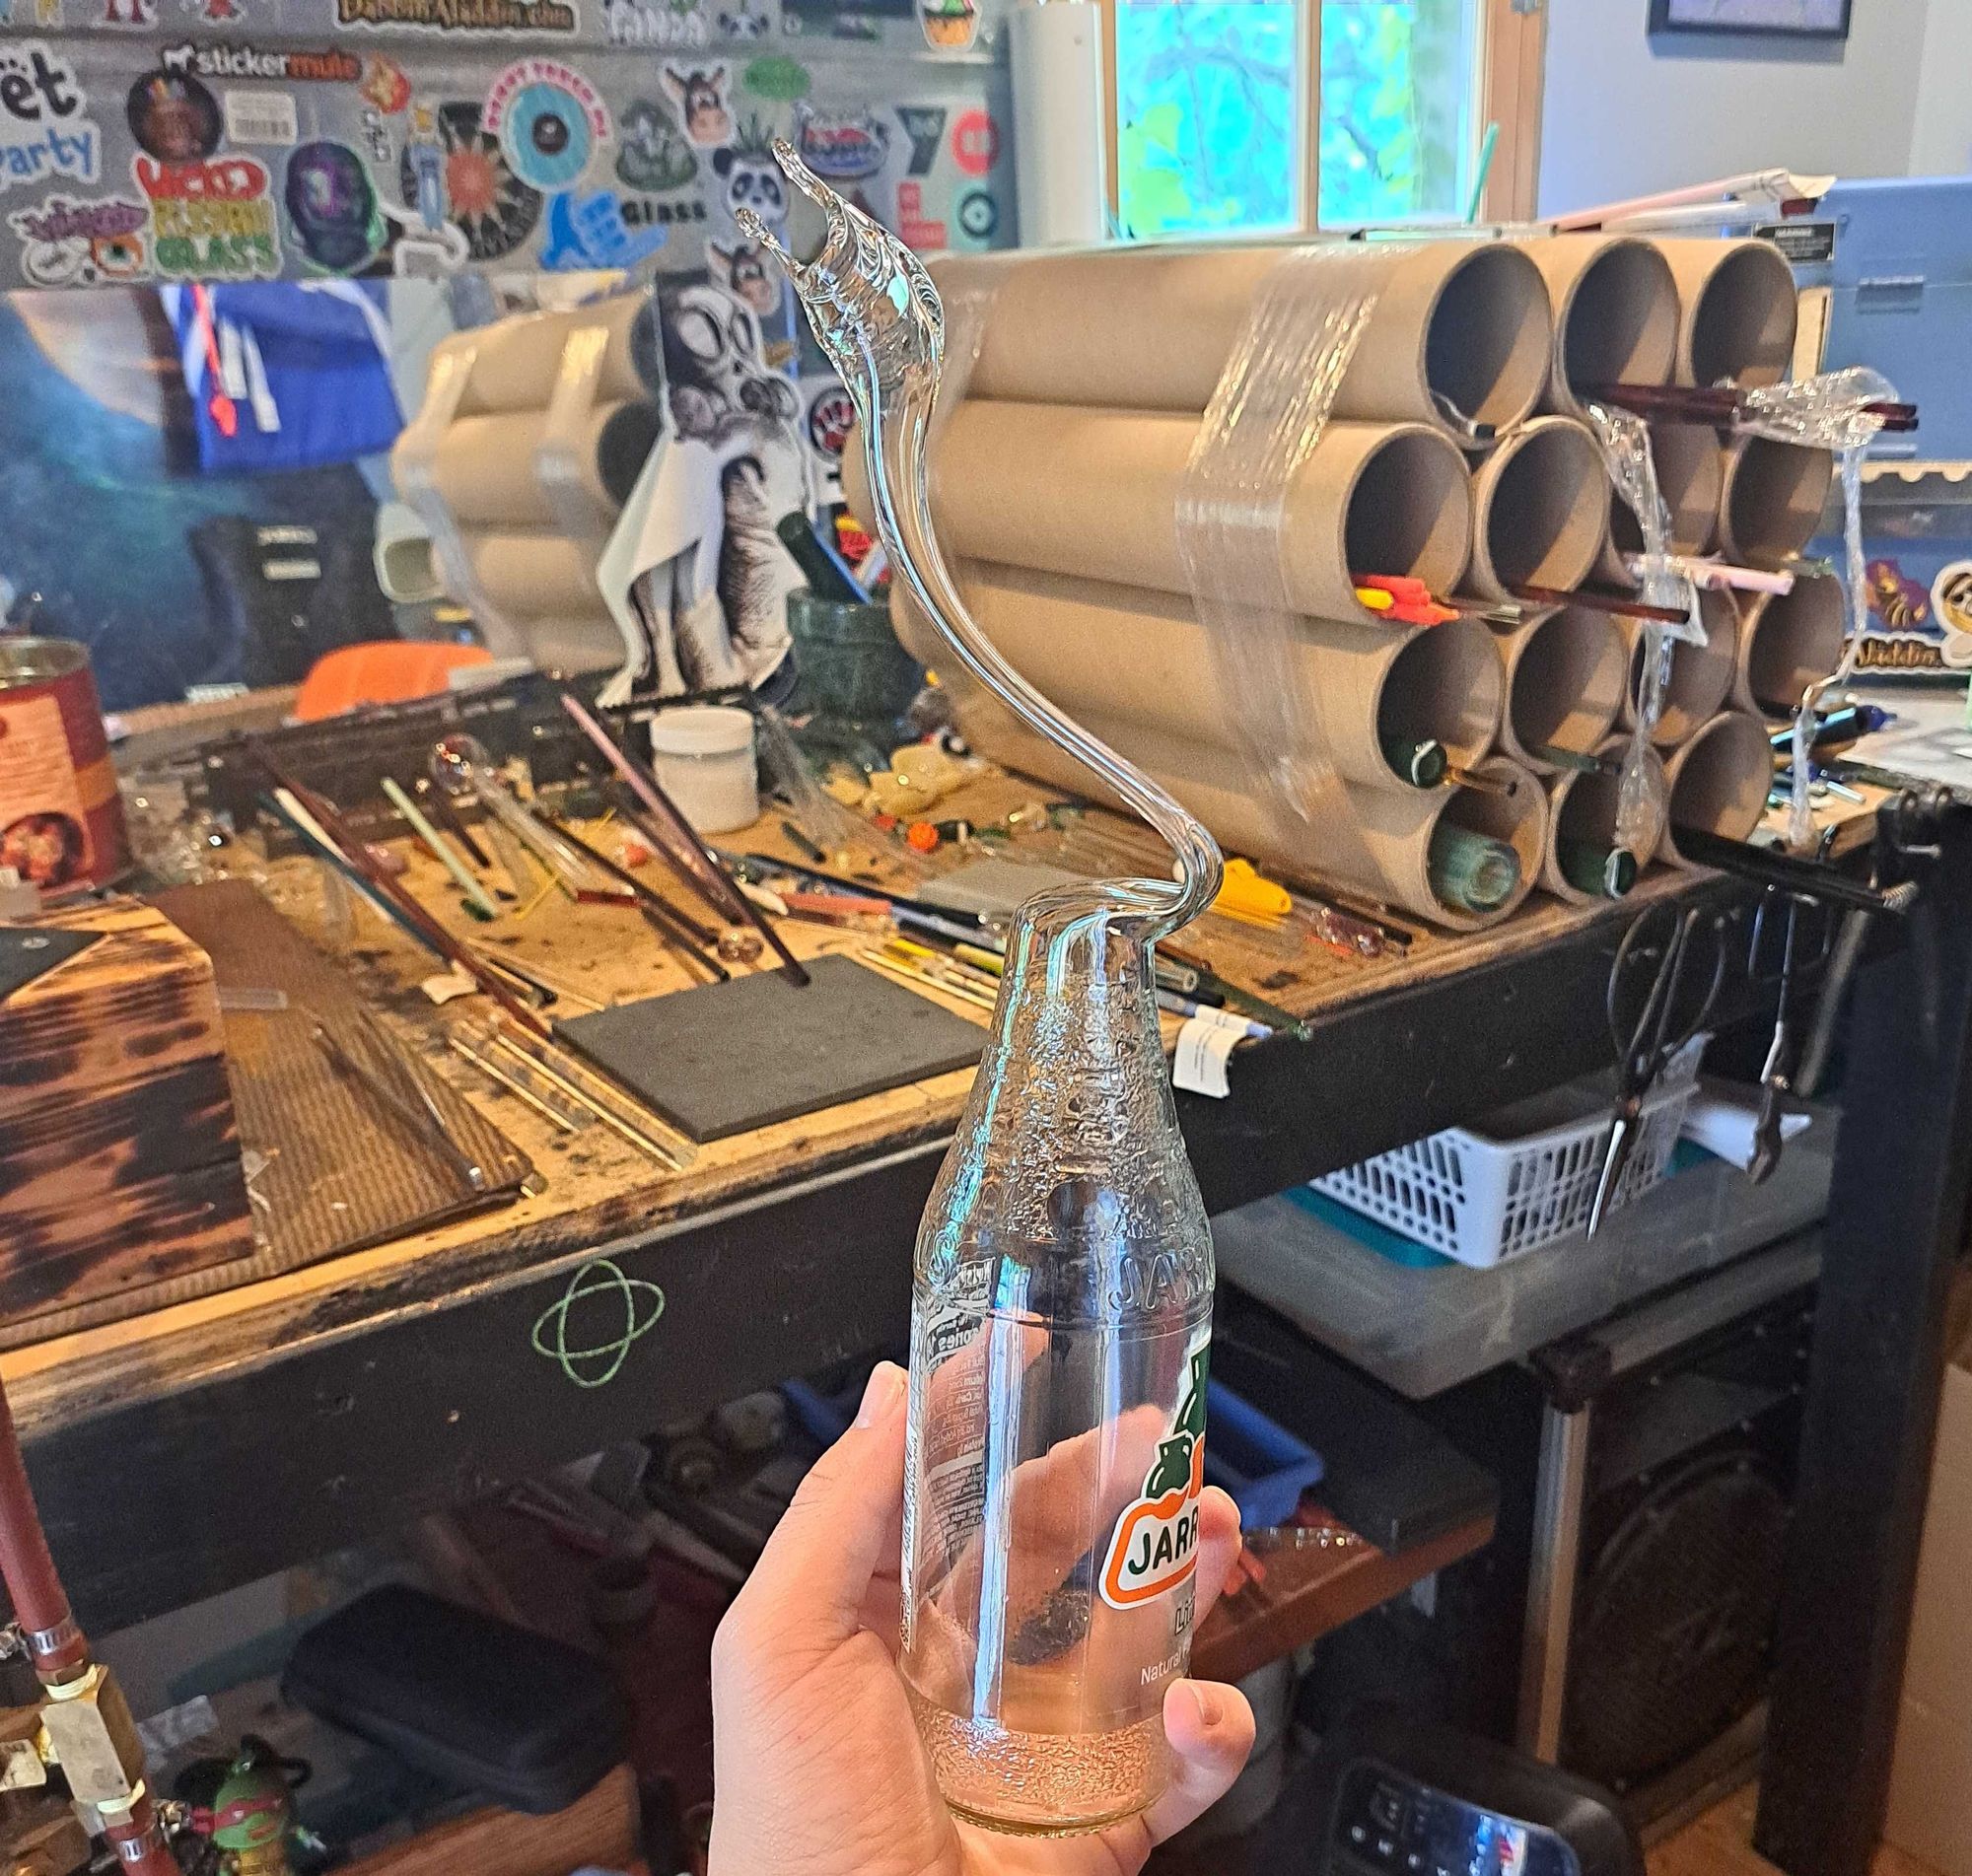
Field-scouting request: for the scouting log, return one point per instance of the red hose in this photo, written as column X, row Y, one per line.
column 139, row 1842
column 41, row 1604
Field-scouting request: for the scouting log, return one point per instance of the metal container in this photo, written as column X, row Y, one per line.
column 61, row 820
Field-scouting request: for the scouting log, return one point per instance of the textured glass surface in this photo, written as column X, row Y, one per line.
column 1062, row 1296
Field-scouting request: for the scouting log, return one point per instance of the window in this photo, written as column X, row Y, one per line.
column 1213, row 115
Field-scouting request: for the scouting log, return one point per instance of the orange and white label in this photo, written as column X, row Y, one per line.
column 1155, row 1545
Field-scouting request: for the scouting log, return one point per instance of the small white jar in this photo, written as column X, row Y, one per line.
column 703, row 755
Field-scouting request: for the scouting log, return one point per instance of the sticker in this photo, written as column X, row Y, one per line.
column 781, row 79
column 1951, row 607
column 700, row 100
column 594, row 231
column 482, row 196
column 743, row 24
column 1155, row 1545
column 385, row 85
column 332, row 207
column 1804, row 243
column 66, row 242
column 914, row 228
column 978, row 215
column 673, row 25
column 247, row 62
column 43, row 133
column 831, row 414
column 924, row 126
column 752, row 178
column 949, row 25
column 548, row 118
column 48, row 15
column 261, row 117
column 216, row 12
column 748, row 273
column 210, row 220
column 461, row 16
column 840, row 148
column 174, row 116
column 129, row 13
column 590, row 1345
column 1204, row 1045
column 652, row 154
column 975, row 143
column 643, row 211
column 1903, row 605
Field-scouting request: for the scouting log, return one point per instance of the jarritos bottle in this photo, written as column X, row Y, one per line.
column 1061, row 1320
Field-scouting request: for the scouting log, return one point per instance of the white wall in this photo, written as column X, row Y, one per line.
column 1942, row 137
column 1627, row 114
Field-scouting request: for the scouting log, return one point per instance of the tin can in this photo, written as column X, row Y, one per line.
column 61, row 820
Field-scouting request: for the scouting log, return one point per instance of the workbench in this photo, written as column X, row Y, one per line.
column 203, row 1445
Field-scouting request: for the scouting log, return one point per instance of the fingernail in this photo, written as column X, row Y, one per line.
column 1211, row 1709
column 882, row 1395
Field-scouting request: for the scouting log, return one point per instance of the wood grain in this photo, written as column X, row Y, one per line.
column 1721, row 1844
column 600, row 1829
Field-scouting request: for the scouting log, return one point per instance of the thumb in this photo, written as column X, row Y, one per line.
column 814, row 1576
column 1210, row 1730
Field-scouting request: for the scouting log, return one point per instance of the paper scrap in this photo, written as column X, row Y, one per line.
column 1203, row 1046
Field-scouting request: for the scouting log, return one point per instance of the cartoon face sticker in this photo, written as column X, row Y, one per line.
column 700, row 98
column 174, row 117
column 716, row 365
column 743, row 24
column 332, row 206
column 752, row 180
column 747, row 274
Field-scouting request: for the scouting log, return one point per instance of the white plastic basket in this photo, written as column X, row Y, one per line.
column 1524, row 1177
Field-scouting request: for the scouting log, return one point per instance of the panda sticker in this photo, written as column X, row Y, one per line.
column 752, row 176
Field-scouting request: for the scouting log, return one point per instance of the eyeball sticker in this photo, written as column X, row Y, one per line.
column 549, row 120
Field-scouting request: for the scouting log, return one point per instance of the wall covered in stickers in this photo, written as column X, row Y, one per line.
column 228, row 140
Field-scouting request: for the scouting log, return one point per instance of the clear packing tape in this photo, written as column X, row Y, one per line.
column 1829, row 412
column 1266, row 418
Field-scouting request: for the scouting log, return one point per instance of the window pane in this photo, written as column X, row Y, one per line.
column 1397, row 81
column 1206, row 116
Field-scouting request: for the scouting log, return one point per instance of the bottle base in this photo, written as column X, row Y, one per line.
column 1043, row 1783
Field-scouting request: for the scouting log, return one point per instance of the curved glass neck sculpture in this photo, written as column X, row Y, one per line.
column 1061, row 1308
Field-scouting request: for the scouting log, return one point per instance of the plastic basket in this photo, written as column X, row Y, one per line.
column 1521, row 1178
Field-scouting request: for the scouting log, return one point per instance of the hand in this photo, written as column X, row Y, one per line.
column 819, row 1768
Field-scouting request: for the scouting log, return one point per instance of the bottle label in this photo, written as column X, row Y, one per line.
column 1155, row 1545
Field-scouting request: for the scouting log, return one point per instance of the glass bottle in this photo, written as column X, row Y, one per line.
column 1061, row 1314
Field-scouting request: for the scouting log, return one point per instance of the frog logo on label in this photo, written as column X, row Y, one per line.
column 1156, row 1546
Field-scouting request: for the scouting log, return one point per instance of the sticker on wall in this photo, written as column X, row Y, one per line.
column 249, row 64
column 1951, row 607
column 387, row 86
column 841, row 148
column 462, row 16
column 752, row 178
column 949, row 25
column 742, row 24
column 652, row 153
column 210, row 220
column 332, row 207
column 482, row 196
column 269, row 117
column 132, row 13
column 593, row 231
column 975, row 142
column 215, row 12
column 549, row 120
column 924, row 126
column 673, row 26
column 778, row 78
column 1903, row 605
column 174, row 116
column 699, row 97
column 920, row 233
column 831, row 415
column 45, row 135
column 66, row 242
column 747, row 271
column 978, row 215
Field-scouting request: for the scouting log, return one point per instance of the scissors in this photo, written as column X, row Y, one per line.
column 1653, row 1015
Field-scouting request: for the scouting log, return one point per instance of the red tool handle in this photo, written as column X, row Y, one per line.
column 139, row 1842
column 41, row 1604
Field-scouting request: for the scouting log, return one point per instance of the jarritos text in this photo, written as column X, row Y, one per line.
column 1156, row 1546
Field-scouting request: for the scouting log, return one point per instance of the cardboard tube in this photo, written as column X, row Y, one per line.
column 1701, row 675
column 540, row 576
column 1151, row 328
column 1565, row 671
column 1741, row 307
column 517, row 362
column 1582, row 808
column 1771, row 498
column 1691, row 477
column 1144, row 659
column 485, row 468
column 1787, row 642
column 1541, row 509
column 1093, row 493
column 1615, row 313
column 1371, row 841
column 1719, row 780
